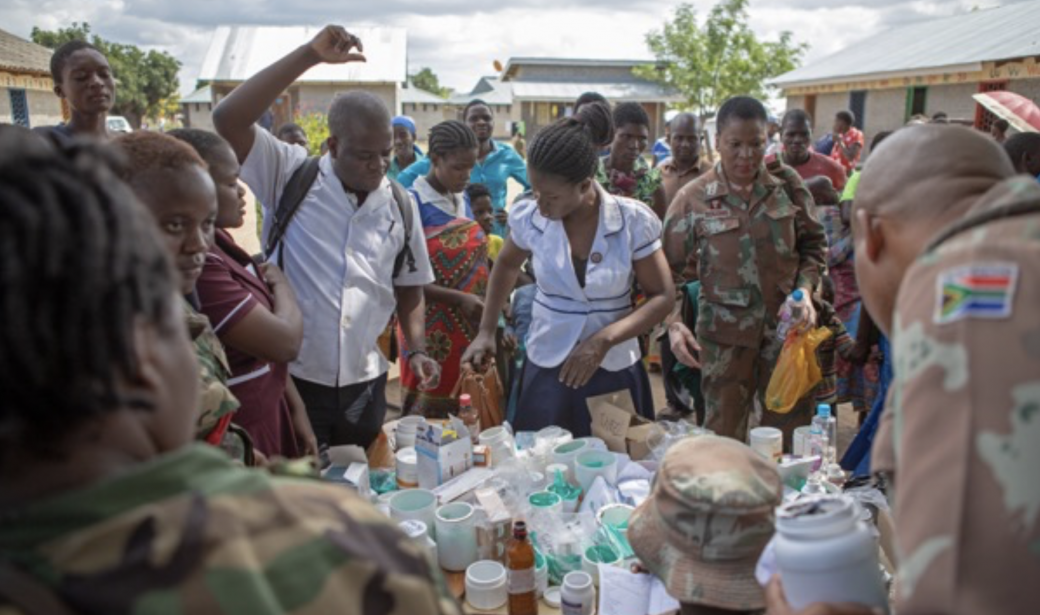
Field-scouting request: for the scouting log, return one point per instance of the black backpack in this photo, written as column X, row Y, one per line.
column 296, row 190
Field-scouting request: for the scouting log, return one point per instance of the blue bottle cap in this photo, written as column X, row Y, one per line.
column 823, row 410
column 798, row 295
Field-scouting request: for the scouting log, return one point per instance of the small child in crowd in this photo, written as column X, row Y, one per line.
column 483, row 214
column 839, row 343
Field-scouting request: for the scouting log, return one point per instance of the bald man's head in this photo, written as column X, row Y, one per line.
column 685, row 138
column 921, row 171
column 360, row 140
column 921, row 179
column 354, row 110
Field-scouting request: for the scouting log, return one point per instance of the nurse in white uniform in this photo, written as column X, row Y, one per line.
column 586, row 248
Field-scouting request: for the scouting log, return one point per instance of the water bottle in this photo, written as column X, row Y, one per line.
column 819, row 445
column 828, row 425
column 791, row 315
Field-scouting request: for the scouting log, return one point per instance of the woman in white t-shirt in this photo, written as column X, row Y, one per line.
column 586, row 247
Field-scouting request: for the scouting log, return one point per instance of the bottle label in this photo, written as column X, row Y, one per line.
column 571, row 608
column 521, row 581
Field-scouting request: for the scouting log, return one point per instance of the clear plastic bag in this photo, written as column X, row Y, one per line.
column 797, row 370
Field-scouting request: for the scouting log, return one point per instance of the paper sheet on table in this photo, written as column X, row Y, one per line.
column 625, row 593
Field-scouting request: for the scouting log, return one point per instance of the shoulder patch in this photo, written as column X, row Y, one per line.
column 982, row 290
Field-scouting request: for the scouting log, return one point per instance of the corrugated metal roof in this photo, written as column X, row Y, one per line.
column 202, row 95
column 489, row 89
column 18, row 54
column 514, row 62
column 568, row 92
column 962, row 42
column 414, row 95
column 239, row 52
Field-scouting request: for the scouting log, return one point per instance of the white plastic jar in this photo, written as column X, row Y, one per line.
column 825, row 553
column 577, row 596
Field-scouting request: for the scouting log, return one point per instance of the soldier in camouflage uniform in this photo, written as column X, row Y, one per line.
column 106, row 505
column 750, row 235
column 948, row 260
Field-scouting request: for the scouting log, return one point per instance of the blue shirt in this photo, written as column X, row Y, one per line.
column 661, row 150
column 500, row 164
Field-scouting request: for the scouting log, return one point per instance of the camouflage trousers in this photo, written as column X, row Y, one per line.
column 733, row 380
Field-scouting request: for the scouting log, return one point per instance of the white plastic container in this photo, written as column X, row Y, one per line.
column 566, row 453
column 768, row 442
column 590, row 464
column 486, row 585
column 826, row 554
column 577, row 596
column 404, row 435
column 418, row 504
column 501, row 443
column 407, row 463
column 456, row 536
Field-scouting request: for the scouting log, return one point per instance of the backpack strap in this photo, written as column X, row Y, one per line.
column 292, row 196
column 404, row 203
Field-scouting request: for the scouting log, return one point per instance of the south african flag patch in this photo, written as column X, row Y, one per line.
column 982, row 290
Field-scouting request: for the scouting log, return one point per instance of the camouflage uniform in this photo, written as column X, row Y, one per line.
column 962, row 428
column 192, row 533
column 748, row 260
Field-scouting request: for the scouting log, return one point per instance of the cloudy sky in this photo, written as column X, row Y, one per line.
column 460, row 39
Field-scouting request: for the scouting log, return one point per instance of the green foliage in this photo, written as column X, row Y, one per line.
column 316, row 125
column 427, row 80
column 720, row 59
column 146, row 81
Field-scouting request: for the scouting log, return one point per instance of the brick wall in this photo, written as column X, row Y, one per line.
column 44, row 108
column 885, row 110
column 955, row 100
column 1030, row 88
column 826, row 106
column 425, row 120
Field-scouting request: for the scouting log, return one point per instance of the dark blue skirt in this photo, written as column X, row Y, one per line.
column 543, row 400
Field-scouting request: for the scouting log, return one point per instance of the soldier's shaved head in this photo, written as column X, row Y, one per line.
column 919, row 180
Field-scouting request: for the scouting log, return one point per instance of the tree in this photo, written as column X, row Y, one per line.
column 146, row 81
column 721, row 59
column 427, row 80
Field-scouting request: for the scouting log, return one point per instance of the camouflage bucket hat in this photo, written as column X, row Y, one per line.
column 706, row 522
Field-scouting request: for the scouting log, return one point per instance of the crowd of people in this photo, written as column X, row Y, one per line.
column 133, row 325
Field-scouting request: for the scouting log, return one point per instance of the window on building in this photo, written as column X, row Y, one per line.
column 858, row 106
column 916, row 101
column 983, row 118
column 19, row 108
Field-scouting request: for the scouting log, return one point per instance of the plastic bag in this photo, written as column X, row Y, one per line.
column 797, row 370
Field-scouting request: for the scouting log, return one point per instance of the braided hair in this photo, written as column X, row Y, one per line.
column 451, row 136
column 80, row 262
column 569, row 147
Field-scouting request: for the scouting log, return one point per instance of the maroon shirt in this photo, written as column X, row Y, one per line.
column 228, row 290
column 818, row 164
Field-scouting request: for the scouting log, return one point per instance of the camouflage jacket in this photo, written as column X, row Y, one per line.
column 192, row 533
column 747, row 258
column 961, row 432
column 216, row 400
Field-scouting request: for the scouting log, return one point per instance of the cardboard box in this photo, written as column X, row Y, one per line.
column 614, row 420
column 444, row 452
column 481, row 456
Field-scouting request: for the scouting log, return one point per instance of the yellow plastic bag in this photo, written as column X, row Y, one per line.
column 797, row 370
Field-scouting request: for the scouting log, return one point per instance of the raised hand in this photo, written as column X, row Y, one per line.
column 333, row 45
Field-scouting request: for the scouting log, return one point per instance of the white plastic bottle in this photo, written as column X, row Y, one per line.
column 817, row 447
column 578, row 596
column 825, row 553
column 791, row 314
